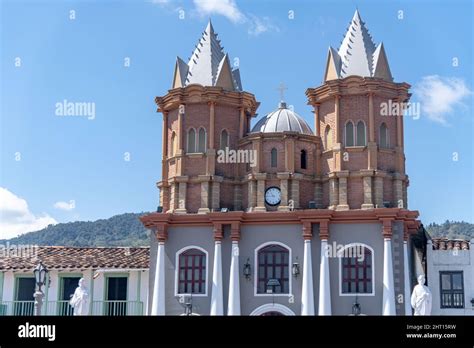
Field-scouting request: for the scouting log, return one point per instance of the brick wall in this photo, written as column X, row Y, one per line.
column 355, row 192
column 227, row 195
column 306, row 193
column 267, row 147
column 354, row 108
column 356, row 160
column 193, row 197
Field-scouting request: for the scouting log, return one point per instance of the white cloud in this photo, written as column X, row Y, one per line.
column 226, row 8
column 16, row 218
column 160, row 2
column 229, row 9
column 65, row 205
column 439, row 96
column 260, row 25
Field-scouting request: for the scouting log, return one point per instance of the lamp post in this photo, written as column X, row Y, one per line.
column 40, row 273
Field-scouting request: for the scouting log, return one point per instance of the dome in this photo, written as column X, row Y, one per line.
column 282, row 120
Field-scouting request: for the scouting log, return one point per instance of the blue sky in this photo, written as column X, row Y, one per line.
column 59, row 169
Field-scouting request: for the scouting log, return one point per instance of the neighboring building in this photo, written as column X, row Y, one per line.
column 450, row 265
column 117, row 280
column 247, row 238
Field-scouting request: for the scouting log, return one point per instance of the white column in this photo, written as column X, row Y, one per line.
column 307, row 296
column 388, row 298
column 217, row 304
column 324, row 286
column 158, row 303
column 233, row 307
column 406, row 277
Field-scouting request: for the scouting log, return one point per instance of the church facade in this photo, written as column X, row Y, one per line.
column 281, row 218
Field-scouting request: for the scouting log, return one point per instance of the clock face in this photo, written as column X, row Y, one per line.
column 273, row 196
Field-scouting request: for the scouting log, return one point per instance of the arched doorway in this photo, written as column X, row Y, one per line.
column 272, row 309
column 272, row 314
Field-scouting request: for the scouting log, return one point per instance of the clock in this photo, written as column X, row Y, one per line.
column 272, row 196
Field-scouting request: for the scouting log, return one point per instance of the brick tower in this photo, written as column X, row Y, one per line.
column 361, row 129
column 205, row 110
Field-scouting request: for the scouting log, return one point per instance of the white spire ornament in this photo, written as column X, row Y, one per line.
column 357, row 55
column 208, row 65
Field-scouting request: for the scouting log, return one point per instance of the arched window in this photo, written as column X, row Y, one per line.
column 173, row 144
column 191, row 141
column 224, row 140
column 303, row 159
column 349, row 134
column 273, row 270
column 273, row 157
column 384, row 136
column 356, row 270
column 361, row 133
column 328, row 137
column 192, row 272
column 202, row 140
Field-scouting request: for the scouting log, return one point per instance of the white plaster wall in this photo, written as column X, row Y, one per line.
column 8, row 286
column 451, row 260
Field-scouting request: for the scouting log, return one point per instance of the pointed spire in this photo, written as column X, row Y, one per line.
column 380, row 67
column 209, row 28
column 225, row 79
column 180, row 73
column 208, row 65
column 356, row 55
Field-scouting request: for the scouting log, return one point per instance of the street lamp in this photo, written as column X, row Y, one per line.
column 40, row 273
column 247, row 270
column 295, row 269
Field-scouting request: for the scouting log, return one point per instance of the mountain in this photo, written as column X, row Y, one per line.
column 119, row 230
column 451, row 230
column 127, row 230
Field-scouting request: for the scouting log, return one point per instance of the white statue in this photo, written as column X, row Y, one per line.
column 80, row 299
column 421, row 298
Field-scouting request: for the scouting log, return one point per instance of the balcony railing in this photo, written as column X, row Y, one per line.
column 62, row 308
column 117, row 308
column 17, row 308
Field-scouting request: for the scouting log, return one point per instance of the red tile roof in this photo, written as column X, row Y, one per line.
column 450, row 244
column 60, row 257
